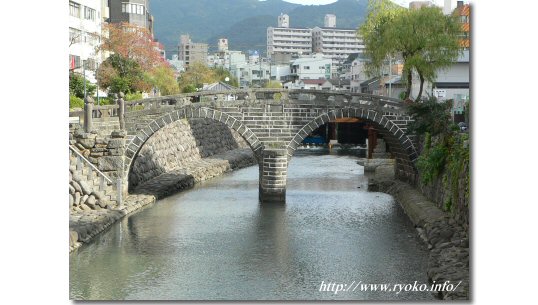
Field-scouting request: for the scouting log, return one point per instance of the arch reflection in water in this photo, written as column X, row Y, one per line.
column 217, row 242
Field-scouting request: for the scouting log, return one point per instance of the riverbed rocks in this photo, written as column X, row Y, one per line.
column 447, row 239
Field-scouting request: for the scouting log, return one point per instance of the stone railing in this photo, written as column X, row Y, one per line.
column 242, row 96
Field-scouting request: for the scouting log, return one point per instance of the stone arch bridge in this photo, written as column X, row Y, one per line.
column 272, row 121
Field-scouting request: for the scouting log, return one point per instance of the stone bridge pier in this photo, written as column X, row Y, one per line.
column 273, row 175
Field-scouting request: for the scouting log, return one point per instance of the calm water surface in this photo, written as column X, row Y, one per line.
column 216, row 241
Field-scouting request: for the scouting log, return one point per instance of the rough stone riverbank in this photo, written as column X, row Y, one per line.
column 447, row 241
column 84, row 224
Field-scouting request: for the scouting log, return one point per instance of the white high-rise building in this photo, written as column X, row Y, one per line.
column 447, row 9
column 286, row 40
column 330, row 21
column 85, row 20
column 223, row 45
column 336, row 44
column 283, row 21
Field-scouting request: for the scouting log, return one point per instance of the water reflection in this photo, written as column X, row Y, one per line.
column 216, row 242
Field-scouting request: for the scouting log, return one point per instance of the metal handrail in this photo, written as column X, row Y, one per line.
column 75, row 150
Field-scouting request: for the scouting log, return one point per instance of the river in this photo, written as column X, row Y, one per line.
column 216, row 242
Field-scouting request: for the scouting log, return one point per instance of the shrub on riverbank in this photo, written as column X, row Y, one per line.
column 443, row 163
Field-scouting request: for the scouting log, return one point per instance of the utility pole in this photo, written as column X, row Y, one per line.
column 390, row 76
column 84, row 74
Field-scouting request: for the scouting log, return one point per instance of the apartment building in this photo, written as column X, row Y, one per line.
column 463, row 11
column 336, row 44
column 190, row 52
column 311, row 67
column 131, row 11
column 286, row 40
column 85, row 19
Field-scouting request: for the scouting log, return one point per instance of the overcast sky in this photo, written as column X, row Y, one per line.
column 401, row 2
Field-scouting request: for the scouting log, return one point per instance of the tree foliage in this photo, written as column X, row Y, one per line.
column 163, row 78
column 221, row 75
column 273, row 84
column 430, row 116
column 196, row 75
column 76, row 86
column 136, row 64
column 131, row 42
column 120, row 74
column 424, row 38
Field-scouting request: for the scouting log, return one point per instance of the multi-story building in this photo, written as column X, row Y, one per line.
column 453, row 81
column 311, row 67
column 223, row 45
column 251, row 74
column 190, row 52
column 85, row 18
column 131, row 11
column 336, row 44
column 415, row 5
column 178, row 65
column 463, row 11
column 286, row 40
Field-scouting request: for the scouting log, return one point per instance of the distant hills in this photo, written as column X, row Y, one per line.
column 243, row 22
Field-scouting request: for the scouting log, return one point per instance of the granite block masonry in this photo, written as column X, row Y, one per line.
column 275, row 121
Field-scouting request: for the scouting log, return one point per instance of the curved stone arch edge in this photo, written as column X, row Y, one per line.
column 369, row 114
column 135, row 145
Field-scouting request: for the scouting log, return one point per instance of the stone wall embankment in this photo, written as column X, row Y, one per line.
column 186, row 152
column 451, row 196
column 174, row 159
column 448, row 241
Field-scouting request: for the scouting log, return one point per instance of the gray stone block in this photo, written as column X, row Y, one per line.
column 77, row 198
column 110, row 163
column 86, row 189
column 115, row 143
column 76, row 186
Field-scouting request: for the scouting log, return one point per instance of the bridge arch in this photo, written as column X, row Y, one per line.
column 401, row 144
column 145, row 133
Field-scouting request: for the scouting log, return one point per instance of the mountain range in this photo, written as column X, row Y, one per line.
column 243, row 22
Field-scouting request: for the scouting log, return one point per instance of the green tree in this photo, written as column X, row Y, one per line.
column 425, row 39
column 76, row 86
column 273, row 84
column 120, row 74
column 162, row 77
column 196, row 75
column 222, row 74
column 430, row 116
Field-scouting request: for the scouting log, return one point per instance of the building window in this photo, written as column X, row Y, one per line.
column 74, row 62
column 74, row 9
column 74, row 35
column 132, row 8
column 89, row 13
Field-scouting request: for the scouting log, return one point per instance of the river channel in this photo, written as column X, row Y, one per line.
column 216, row 242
